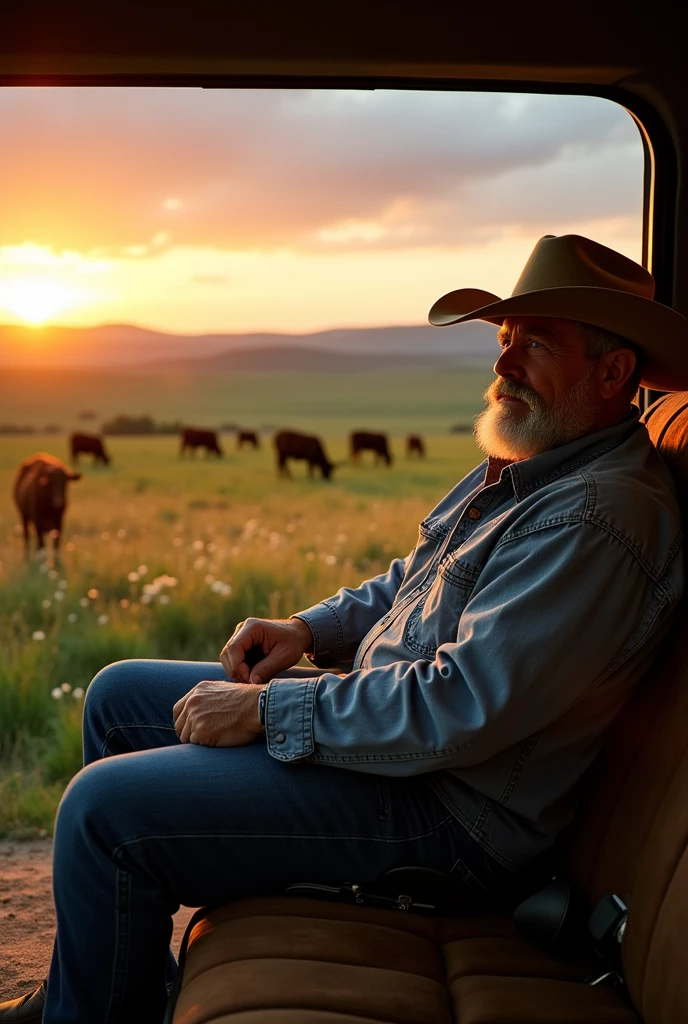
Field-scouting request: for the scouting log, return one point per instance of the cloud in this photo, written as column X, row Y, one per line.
column 113, row 170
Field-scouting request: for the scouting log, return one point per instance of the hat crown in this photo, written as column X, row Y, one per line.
column 565, row 261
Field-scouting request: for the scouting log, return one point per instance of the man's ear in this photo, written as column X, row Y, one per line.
column 616, row 368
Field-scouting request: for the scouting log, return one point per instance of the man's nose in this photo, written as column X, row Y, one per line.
column 509, row 365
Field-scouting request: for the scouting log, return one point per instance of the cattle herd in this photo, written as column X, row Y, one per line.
column 40, row 488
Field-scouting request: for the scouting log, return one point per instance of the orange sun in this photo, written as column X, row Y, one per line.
column 36, row 299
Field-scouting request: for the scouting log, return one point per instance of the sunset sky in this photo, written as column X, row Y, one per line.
column 197, row 210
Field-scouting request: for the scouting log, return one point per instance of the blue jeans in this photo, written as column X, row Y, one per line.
column 151, row 823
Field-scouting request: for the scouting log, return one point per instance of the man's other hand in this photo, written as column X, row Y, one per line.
column 284, row 642
column 218, row 714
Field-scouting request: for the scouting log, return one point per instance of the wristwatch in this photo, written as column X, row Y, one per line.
column 262, row 700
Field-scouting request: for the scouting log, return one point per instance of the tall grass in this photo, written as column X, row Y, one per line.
column 161, row 558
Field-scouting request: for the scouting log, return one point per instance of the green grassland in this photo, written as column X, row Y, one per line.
column 162, row 556
column 429, row 401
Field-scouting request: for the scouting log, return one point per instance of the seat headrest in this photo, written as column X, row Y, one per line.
column 667, row 424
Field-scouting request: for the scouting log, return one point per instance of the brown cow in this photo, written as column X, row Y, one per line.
column 247, row 437
column 40, row 491
column 88, row 444
column 194, row 438
column 361, row 441
column 415, row 443
column 291, row 445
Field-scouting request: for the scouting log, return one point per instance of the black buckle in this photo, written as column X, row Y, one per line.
column 353, row 893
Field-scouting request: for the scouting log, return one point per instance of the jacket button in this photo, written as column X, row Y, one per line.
column 474, row 513
column 280, row 738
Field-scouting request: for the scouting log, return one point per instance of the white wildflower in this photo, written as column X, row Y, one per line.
column 63, row 584
column 56, row 693
column 84, row 602
column 142, row 570
column 198, row 545
column 133, row 577
column 164, row 599
column 103, row 620
column 77, row 693
column 46, row 603
column 38, row 634
column 72, row 617
column 58, row 595
column 121, row 534
column 66, row 687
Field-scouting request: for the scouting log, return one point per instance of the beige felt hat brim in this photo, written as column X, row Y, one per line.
column 659, row 331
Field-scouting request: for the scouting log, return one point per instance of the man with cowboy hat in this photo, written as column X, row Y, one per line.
column 462, row 694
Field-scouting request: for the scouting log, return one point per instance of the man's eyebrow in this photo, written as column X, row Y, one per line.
column 503, row 334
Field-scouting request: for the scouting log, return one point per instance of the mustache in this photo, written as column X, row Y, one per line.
column 504, row 386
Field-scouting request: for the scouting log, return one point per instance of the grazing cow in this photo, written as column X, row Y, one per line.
column 360, row 441
column 247, row 437
column 40, row 492
column 193, row 438
column 87, row 444
column 415, row 443
column 290, row 445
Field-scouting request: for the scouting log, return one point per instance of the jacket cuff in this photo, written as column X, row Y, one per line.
column 289, row 719
column 328, row 635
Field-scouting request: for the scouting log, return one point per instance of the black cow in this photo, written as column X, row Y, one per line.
column 415, row 443
column 87, row 444
column 291, row 445
column 40, row 492
column 194, row 438
column 247, row 437
column 361, row 441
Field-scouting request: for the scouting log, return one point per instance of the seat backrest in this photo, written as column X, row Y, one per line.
column 631, row 834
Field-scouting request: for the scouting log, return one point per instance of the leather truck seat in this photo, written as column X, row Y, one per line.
column 280, row 960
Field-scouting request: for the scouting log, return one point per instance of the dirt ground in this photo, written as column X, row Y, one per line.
column 27, row 918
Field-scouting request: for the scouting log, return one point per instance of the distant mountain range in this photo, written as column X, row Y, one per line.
column 340, row 350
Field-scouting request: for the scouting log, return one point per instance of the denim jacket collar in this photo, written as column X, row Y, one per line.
column 531, row 474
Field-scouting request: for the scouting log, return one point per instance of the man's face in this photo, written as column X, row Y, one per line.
column 546, row 392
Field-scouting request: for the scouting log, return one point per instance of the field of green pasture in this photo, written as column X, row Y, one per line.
column 161, row 558
column 428, row 401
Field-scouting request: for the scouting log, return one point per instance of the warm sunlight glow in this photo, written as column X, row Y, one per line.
column 36, row 299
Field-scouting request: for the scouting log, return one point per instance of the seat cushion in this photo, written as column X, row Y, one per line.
column 276, row 960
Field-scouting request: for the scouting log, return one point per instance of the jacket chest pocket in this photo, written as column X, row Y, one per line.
column 431, row 535
column 434, row 620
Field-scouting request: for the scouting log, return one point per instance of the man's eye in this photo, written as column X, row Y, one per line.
column 534, row 343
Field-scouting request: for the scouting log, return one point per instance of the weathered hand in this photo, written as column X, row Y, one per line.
column 218, row 714
column 284, row 642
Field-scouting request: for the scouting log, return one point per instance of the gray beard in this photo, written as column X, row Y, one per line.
column 507, row 433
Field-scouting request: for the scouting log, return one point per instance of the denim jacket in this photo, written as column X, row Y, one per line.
column 495, row 655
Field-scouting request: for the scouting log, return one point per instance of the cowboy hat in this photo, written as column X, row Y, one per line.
column 572, row 277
